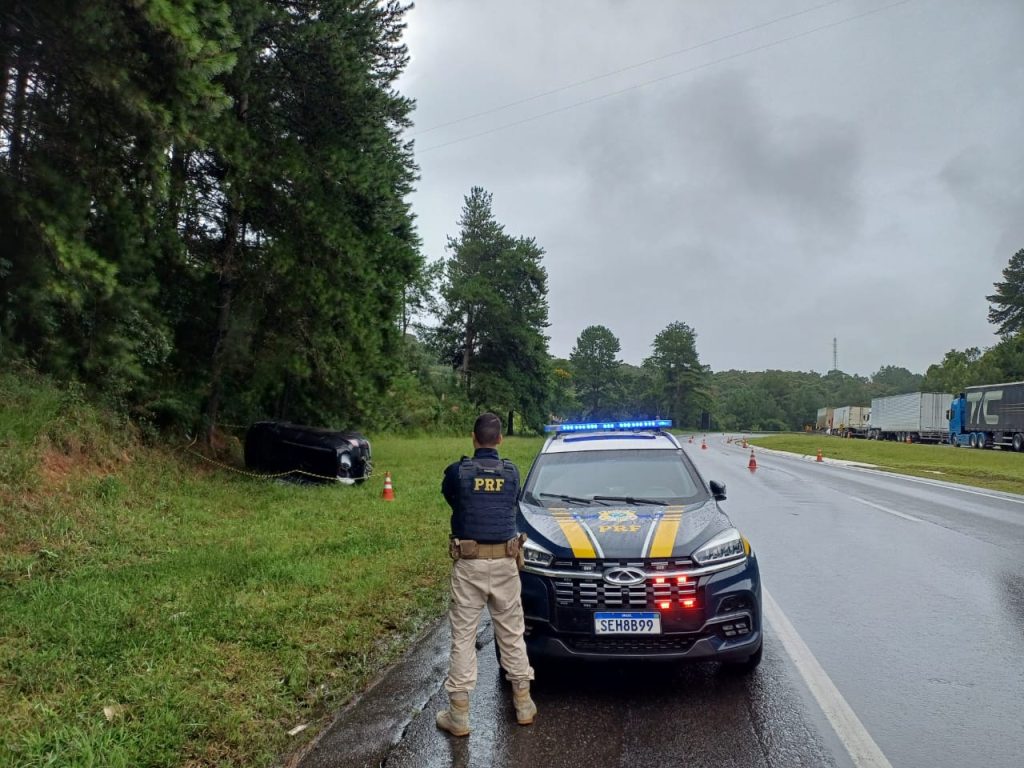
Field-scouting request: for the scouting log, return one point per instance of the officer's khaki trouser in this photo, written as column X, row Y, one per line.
column 494, row 583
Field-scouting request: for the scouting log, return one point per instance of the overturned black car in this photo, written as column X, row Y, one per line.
column 310, row 453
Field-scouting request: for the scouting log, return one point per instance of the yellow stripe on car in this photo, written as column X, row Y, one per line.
column 665, row 535
column 574, row 534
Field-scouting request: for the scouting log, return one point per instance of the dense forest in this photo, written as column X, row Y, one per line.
column 205, row 220
column 203, row 204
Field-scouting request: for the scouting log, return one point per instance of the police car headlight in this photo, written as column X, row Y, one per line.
column 727, row 545
column 535, row 554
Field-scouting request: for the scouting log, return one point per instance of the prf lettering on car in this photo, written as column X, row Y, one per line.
column 488, row 484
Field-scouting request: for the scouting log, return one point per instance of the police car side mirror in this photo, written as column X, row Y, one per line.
column 717, row 490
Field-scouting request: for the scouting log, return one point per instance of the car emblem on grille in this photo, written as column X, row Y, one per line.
column 624, row 577
column 617, row 516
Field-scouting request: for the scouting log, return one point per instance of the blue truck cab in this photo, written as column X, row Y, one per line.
column 957, row 414
column 988, row 416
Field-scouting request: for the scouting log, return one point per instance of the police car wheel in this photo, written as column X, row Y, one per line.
column 746, row 666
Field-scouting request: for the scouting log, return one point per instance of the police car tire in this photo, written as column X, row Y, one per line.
column 747, row 665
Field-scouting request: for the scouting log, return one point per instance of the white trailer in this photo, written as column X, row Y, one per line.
column 917, row 417
column 851, row 421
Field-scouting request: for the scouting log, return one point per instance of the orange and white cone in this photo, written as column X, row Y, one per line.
column 819, row 458
column 752, row 464
column 703, row 444
column 389, row 491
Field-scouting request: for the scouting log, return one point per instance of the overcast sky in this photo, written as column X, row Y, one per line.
column 807, row 169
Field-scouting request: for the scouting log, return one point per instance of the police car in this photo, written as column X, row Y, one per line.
column 629, row 554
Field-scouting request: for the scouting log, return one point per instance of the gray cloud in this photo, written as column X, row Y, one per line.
column 857, row 182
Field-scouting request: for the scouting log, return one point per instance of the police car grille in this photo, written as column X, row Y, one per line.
column 598, row 566
column 631, row 644
column 596, row 593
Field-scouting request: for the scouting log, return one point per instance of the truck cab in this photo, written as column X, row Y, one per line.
column 957, row 415
column 988, row 416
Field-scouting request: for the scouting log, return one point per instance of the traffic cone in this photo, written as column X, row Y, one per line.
column 752, row 464
column 745, row 442
column 703, row 444
column 389, row 492
column 820, row 458
column 909, row 440
column 691, row 439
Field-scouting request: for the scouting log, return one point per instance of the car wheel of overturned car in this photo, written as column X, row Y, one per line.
column 347, row 468
column 746, row 666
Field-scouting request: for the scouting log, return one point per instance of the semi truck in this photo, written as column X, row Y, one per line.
column 917, row 417
column 851, row 421
column 988, row 416
column 824, row 421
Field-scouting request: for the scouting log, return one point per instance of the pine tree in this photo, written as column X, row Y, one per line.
column 301, row 237
column 494, row 294
column 681, row 380
column 101, row 90
column 1008, row 312
column 204, row 204
column 597, row 372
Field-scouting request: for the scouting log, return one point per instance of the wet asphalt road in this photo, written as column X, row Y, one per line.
column 909, row 594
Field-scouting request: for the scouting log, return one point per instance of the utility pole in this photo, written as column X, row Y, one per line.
column 835, row 354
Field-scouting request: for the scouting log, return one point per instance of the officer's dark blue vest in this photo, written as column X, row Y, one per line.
column 487, row 500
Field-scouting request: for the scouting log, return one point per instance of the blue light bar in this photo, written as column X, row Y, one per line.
column 607, row 426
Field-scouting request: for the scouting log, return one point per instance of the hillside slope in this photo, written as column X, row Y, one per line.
column 157, row 611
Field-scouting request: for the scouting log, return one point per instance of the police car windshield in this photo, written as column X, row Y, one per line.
column 649, row 476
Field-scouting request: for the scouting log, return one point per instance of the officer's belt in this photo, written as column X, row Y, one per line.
column 489, row 551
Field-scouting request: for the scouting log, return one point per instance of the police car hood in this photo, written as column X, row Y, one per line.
column 621, row 531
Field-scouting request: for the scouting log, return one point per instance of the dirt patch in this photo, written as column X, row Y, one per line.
column 58, row 468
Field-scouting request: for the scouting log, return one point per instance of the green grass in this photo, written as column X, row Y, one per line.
column 210, row 611
column 995, row 469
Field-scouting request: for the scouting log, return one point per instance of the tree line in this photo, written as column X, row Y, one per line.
column 479, row 341
column 204, row 217
column 204, row 204
column 784, row 400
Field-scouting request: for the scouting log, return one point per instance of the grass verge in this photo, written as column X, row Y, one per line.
column 155, row 612
column 995, row 469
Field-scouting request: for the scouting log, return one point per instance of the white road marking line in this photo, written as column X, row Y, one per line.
column 944, row 484
column 1013, row 498
column 851, row 731
column 880, row 508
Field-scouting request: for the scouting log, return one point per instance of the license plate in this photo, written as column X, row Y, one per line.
column 631, row 623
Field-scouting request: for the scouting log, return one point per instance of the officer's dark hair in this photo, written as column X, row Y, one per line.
column 487, row 429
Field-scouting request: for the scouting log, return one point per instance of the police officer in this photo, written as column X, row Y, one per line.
column 484, row 545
